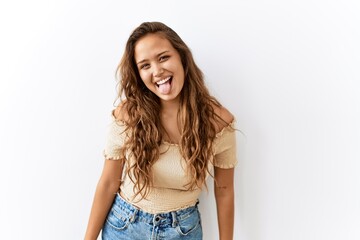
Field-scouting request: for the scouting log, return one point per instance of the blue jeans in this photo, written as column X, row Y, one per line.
column 126, row 221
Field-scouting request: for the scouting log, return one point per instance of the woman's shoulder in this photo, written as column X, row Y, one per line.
column 119, row 113
column 226, row 117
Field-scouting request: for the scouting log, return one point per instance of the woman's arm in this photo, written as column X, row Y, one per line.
column 106, row 189
column 224, row 196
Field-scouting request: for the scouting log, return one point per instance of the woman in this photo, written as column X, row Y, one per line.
column 166, row 137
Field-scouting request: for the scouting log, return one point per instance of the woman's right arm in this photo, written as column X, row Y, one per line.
column 106, row 190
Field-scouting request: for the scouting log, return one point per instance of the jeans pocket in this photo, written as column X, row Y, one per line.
column 117, row 218
column 189, row 224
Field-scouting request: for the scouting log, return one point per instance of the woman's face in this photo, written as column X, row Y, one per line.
column 160, row 67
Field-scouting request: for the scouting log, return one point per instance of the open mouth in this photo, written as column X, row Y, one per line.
column 164, row 81
column 164, row 86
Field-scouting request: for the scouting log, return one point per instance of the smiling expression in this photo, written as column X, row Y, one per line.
column 160, row 67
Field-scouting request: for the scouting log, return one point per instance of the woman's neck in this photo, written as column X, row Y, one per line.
column 169, row 109
column 169, row 121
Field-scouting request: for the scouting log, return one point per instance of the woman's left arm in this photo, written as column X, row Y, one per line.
column 224, row 196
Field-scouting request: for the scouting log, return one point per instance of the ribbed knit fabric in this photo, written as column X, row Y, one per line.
column 169, row 176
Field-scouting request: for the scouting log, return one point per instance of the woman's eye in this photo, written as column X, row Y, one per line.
column 163, row 58
column 145, row 66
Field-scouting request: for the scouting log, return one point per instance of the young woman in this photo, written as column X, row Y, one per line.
column 167, row 136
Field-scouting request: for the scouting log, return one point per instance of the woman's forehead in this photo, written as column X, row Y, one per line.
column 150, row 46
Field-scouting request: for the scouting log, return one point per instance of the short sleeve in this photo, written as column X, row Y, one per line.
column 225, row 148
column 115, row 139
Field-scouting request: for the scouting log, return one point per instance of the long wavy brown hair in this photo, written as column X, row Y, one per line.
column 196, row 117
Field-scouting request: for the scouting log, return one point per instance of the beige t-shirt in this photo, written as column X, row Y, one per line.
column 169, row 176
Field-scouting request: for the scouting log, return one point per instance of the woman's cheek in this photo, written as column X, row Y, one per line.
column 144, row 77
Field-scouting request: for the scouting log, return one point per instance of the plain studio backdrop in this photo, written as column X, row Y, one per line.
column 288, row 70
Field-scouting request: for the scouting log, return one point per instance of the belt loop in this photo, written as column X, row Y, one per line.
column 132, row 219
column 174, row 219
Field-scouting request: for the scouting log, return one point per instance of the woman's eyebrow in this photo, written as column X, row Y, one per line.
column 144, row 60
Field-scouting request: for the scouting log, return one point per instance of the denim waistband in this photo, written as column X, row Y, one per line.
column 163, row 219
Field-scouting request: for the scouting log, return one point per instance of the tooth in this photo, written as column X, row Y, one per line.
column 163, row 81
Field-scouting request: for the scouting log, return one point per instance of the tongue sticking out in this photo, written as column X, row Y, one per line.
column 165, row 88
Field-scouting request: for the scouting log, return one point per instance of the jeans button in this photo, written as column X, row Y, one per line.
column 157, row 218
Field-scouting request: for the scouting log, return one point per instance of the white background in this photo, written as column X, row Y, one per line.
column 288, row 70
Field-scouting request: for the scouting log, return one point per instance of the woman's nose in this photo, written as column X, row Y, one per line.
column 158, row 70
